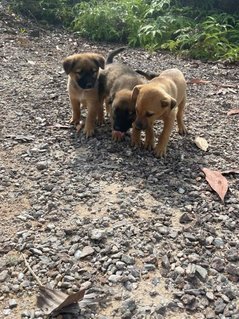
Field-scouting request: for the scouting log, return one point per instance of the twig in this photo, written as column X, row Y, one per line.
column 31, row 271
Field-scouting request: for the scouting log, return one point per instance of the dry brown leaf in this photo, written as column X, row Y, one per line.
column 232, row 112
column 54, row 302
column 198, row 81
column 217, row 182
column 201, row 143
column 231, row 171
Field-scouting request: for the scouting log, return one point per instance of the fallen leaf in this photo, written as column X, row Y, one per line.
column 198, row 81
column 201, row 143
column 230, row 171
column 217, row 182
column 232, row 112
column 54, row 302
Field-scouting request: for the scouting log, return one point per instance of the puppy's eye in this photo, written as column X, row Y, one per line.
column 149, row 114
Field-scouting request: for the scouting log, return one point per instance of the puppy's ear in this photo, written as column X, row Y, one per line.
column 171, row 102
column 135, row 93
column 100, row 61
column 68, row 64
column 111, row 98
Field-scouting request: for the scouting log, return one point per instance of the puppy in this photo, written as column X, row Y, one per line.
column 162, row 98
column 118, row 82
column 83, row 87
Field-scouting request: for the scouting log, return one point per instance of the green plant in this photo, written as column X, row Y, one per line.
column 199, row 29
column 109, row 20
column 212, row 39
column 49, row 11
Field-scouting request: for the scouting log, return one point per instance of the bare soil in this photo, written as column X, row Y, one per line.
column 95, row 183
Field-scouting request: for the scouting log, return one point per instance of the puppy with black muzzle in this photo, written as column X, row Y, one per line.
column 83, row 87
column 162, row 98
column 118, row 82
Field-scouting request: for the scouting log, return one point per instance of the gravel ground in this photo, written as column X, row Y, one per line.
column 149, row 236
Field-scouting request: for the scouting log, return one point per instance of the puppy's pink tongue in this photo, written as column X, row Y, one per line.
column 119, row 134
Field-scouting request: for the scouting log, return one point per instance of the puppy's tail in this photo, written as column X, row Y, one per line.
column 113, row 53
column 148, row 75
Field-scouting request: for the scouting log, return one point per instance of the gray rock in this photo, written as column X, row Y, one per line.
column 41, row 166
column 210, row 295
column 115, row 278
column 161, row 309
column 86, row 251
column 3, row 275
column 128, row 305
column 218, row 264
column 219, row 306
column 149, row 267
column 218, row 242
column 12, row 303
column 201, row 273
column 6, row 311
column 165, row 262
column 97, row 234
column 186, row 218
column 129, row 260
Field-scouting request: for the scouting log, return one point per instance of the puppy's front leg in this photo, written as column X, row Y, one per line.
column 135, row 136
column 149, row 139
column 161, row 147
column 100, row 113
column 181, row 126
column 89, row 128
column 76, row 113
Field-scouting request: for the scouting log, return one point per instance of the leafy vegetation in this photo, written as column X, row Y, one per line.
column 207, row 29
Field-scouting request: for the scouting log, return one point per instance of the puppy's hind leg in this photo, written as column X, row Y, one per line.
column 181, row 126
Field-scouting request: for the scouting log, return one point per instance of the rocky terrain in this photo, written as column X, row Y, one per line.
column 148, row 236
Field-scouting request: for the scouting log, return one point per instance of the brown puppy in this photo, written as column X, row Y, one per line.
column 83, row 88
column 118, row 82
column 162, row 98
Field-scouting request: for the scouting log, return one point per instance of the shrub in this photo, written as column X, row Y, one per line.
column 116, row 21
column 49, row 11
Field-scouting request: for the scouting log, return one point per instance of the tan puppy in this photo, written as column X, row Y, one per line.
column 83, row 88
column 162, row 98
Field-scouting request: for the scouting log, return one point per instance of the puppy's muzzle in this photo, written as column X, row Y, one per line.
column 84, row 84
column 140, row 126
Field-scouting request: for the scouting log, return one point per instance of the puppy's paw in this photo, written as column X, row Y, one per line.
column 149, row 145
column 136, row 143
column 74, row 120
column 100, row 121
column 160, row 151
column 117, row 136
column 88, row 131
column 182, row 130
column 79, row 126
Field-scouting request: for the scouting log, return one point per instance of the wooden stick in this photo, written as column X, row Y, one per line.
column 31, row 271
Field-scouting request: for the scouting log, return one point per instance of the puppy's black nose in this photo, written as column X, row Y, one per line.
column 117, row 128
column 138, row 125
column 89, row 86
